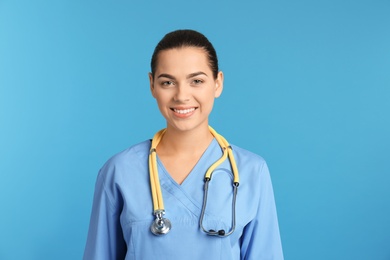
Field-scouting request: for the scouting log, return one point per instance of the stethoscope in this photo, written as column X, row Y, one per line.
column 161, row 225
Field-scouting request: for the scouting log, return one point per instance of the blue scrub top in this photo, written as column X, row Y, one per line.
column 122, row 210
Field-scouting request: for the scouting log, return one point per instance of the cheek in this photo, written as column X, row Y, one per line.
column 211, row 95
column 209, row 100
column 160, row 98
column 162, row 103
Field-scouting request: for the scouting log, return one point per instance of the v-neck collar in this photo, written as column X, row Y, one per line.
column 198, row 171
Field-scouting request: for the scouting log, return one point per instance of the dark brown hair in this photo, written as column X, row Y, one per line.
column 186, row 38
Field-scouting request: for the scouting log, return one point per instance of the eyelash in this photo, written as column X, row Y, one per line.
column 168, row 83
column 197, row 81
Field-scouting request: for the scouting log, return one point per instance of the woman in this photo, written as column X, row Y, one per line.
column 184, row 80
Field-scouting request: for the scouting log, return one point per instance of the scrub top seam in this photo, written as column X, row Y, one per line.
column 113, row 207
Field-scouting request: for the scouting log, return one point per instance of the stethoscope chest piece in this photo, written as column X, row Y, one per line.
column 160, row 225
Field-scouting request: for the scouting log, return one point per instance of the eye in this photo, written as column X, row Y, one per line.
column 167, row 83
column 197, row 81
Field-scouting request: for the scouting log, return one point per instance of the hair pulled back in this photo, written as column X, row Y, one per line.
column 186, row 38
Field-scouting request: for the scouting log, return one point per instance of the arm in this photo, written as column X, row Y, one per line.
column 261, row 239
column 105, row 239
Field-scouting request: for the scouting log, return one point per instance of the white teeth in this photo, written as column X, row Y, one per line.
column 184, row 111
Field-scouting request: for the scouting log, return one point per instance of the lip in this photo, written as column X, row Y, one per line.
column 183, row 112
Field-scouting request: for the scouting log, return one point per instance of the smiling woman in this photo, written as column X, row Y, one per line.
column 176, row 167
column 185, row 89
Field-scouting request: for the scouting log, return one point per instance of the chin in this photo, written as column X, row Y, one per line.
column 187, row 126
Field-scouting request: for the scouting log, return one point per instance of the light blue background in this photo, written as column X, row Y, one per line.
column 307, row 86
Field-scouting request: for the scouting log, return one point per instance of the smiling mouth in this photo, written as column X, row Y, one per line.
column 184, row 111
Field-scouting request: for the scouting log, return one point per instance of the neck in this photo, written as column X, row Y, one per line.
column 183, row 142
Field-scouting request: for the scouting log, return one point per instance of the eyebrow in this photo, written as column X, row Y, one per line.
column 164, row 75
column 196, row 74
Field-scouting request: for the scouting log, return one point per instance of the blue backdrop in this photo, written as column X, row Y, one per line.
column 307, row 86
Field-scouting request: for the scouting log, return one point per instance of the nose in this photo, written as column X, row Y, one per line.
column 182, row 94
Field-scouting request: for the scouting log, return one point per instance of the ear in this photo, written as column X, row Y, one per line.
column 151, row 84
column 218, row 84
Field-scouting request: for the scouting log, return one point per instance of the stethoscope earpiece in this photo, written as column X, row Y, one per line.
column 220, row 233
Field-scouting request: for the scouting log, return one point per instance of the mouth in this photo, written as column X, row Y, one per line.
column 184, row 111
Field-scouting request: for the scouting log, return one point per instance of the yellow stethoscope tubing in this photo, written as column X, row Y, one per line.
column 227, row 152
column 158, row 203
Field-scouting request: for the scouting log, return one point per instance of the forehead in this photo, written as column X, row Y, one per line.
column 183, row 60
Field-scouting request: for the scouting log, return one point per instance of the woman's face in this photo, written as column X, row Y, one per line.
column 185, row 88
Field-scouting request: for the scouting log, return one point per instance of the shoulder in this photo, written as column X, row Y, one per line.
column 252, row 167
column 136, row 151
column 244, row 156
column 128, row 159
